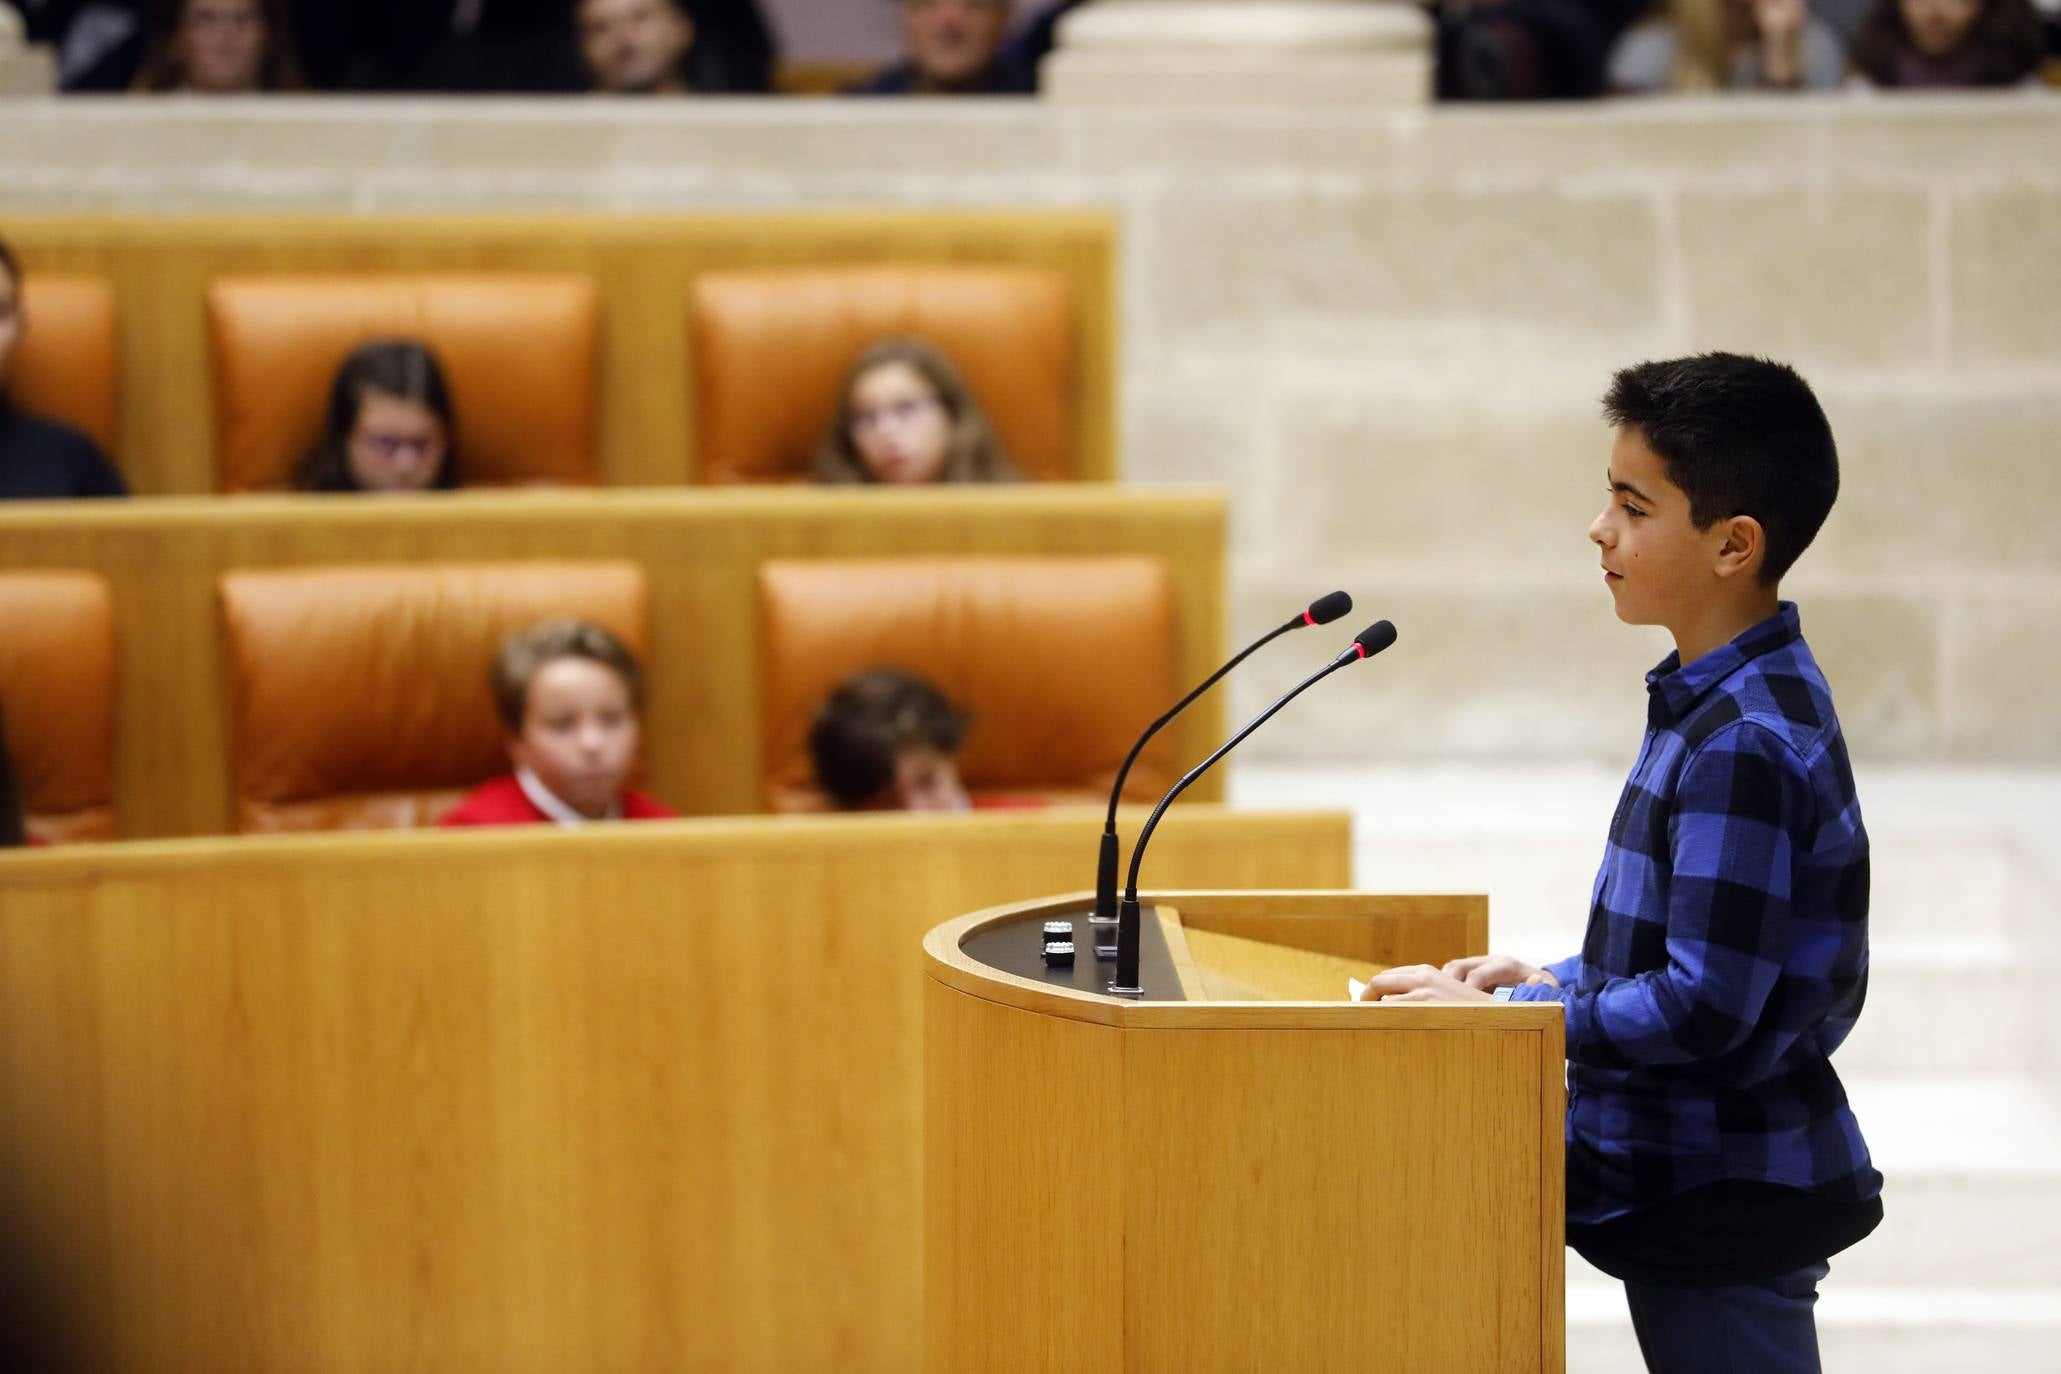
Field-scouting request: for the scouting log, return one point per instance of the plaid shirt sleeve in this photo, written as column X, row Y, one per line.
column 1740, row 801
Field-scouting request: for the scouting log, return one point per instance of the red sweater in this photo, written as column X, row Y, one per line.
column 503, row 802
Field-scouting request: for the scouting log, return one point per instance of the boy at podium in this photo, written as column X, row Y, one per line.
column 1713, row 1163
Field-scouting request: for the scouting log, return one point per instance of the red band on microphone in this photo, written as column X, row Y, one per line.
column 1306, row 619
column 1359, row 648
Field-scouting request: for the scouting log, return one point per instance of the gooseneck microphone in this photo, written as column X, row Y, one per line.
column 1366, row 644
column 1322, row 611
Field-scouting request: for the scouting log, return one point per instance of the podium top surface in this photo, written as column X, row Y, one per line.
column 1228, row 959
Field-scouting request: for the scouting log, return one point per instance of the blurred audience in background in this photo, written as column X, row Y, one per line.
column 1950, row 43
column 220, row 47
column 41, row 458
column 1729, row 45
column 635, row 47
column 1527, row 49
column 954, row 47
column 512, row 46
column 389, row 427
column 570, row 696
column 906, row 417
column 887, row 740
column 1486, row 49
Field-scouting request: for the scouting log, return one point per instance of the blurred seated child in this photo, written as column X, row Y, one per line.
column 389, row 427
column 954, row 47
column 1943, row 44
column 906, row 417
column 569, row 694
column 220, row 47
column 41, row 458
column 1729, row 45
column 886, row 740
column 635, row 47
column 14, row 831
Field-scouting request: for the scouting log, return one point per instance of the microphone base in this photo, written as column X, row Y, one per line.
column 1115, row 990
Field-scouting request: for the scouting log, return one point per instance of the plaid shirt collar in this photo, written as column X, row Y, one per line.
column 1672, row 690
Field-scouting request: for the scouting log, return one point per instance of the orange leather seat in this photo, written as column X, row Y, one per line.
column 361, row 696
column 771, row 347
column 57, row 690
column 519, row 352
column 68, row 363
column 1061, row 661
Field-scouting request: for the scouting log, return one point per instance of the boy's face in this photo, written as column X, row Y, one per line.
column 579, row 734
column 634, row 47
column 1661, row 569
column 953, row 41
column 926, row 779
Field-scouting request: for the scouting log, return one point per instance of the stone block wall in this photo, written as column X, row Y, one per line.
column 1385, row 334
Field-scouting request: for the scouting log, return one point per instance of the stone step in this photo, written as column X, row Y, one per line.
column 1949, row 850
column 1972, row 1188
column 1927, row 888
column 1963, row 1273
column 1920, row 1329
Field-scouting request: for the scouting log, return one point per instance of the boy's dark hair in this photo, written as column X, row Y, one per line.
column 402, row 368
column 1739, row 436
column 872, row 717
column 526, row 653
column 13, row 826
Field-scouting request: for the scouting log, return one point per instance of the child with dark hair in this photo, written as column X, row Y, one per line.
column 887, row 740
column 1713, row 1163
column 389, row 427
column 906, row 417
column 41, row 458
column 1915, row 44
column 569, row 694
column 14, row 831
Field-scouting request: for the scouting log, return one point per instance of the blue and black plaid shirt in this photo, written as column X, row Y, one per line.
column 1727, row 949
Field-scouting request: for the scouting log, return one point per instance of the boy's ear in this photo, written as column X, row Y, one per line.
column 1743, row 547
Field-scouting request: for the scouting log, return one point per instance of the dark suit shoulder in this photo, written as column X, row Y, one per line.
column 50, row 460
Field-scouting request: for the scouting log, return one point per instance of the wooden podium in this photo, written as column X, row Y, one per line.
column 1243, row 1170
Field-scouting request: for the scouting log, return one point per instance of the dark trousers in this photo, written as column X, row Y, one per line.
column 1767, row 1328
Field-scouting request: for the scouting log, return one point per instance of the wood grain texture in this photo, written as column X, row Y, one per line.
column 1306, row 1187
column 160, row 267
column 648, row 1097
column 1231, row 968
column 1379, row 928
column 699, row 549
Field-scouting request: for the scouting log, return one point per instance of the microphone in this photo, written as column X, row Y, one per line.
column 1366, row 644
column 1322, row 611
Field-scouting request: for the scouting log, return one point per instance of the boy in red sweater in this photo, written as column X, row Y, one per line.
column 569, row 694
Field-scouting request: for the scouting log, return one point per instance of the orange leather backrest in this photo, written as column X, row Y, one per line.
column 57, row 691
column 67, row 367
column 518, row 351
column 770, row 349
column 361, row 696
column 1062, row 661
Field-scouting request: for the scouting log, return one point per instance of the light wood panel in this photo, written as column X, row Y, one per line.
column 1309, row 1185
column 641, row 265
column 640, row 1098
column 700, row 550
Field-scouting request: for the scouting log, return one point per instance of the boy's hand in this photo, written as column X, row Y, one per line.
column 1491, row 971
column 1419, row 983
